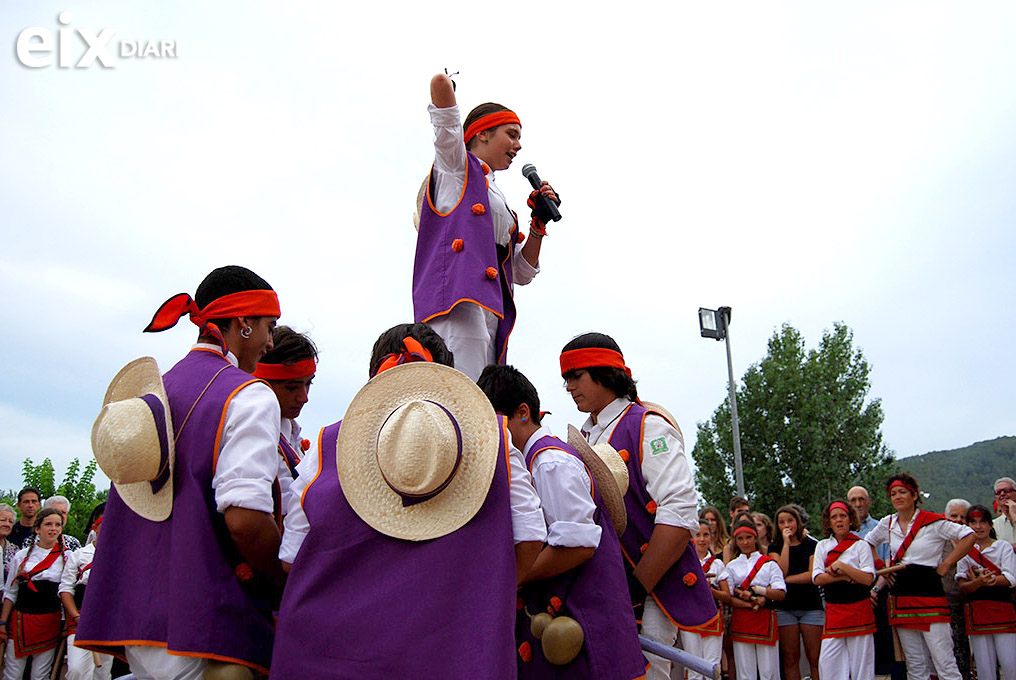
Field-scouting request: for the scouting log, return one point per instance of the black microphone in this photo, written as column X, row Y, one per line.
column 529, row 172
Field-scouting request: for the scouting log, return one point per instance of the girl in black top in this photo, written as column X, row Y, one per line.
column 800, row 615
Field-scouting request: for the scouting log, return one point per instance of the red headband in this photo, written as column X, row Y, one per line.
column 900, row 482
column 244, row 303
column 839, row 504
column 974, row 514
column 575, row 359
column 412, row 351
column 491, row 120
column 301, row 369
column 751, row 530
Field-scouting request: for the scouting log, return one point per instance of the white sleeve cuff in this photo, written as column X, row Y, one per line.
column 674, row 517
column 573, row 535
column 523, row 272
column 529, row 526
column 251, row 494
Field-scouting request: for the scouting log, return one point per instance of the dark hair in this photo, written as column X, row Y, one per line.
column 97, row 512
column 507, row 389
column 614, row 379
column 742, row 516
column 479, row 112
column 855, row 522
column 391, row 342
column 721, row 537
column 794, row 511
column 909, row 481
column 224, row 281
column 289, row 347
column 987, row 517
column 733, row 544
column 738, row 501
column 29, row 489
column 703, row 522
column 44, row 513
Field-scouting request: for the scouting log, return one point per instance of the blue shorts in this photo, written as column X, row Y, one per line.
column 792, row 617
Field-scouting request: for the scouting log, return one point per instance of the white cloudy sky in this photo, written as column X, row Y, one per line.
column 801, row 162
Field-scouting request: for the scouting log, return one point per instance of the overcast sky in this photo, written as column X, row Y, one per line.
column 803, row 163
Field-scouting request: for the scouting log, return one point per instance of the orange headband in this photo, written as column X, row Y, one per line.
column 900, row 482
column 750, row 530
column 839, row 504
column 575, row 359
column 244, row 303
column 301, row 369
column 412, row 351
column 491, row 120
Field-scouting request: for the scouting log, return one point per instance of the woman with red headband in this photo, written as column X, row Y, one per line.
column 845, row 569
column 469, row 252
column 82, row 664
column 289, row 368
column 665, row 574
column 918, row 609
column 986, row 576
column 752, row 582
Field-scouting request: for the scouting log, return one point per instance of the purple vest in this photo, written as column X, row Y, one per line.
column 170, row 583
column 360, row 604
column 444, row 277
column 596, row 595
column 686, row 605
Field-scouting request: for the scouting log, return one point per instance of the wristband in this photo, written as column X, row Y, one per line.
column 759, row 590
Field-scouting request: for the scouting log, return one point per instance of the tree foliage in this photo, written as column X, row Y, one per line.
column 807, row 432
column 77, row 487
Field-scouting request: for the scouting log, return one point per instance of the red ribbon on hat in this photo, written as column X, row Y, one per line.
column 243, row 303
column 412, row 351
column 588, row 357
column 301, row 369
column 491, row 120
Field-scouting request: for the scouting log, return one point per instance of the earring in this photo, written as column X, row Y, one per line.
column 523, row 419
column 245, row 333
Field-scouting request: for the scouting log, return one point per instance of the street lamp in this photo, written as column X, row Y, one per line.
column 714, row 323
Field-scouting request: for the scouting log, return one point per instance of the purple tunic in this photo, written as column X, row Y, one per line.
column 360, row 604
column 596, row 595
column 684, row 605
column 171, row 584
column 444, row 277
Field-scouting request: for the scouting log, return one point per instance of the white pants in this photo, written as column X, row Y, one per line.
column 656, row 626
column 994, row 649
column 469, row 331
column 761, row 659
column 709, row 647
column 844, row 657
column 155, row 663
column 929, row 652
column 14, row 668
column 81, row 663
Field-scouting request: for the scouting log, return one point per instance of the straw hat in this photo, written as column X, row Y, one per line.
column 610, row 473
column 132, row 439
column 650, row 406
column 417, row 450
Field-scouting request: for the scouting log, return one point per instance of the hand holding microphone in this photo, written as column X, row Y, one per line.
column 543, row 207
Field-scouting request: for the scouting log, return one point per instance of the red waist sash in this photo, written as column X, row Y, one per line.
column 918, row 611
column 849, row 620
column 34, row 633
column 754, row 626
column 989, row 617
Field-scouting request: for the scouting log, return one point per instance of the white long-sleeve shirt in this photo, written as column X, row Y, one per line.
column 858, row 555
column 1001, row 555
column 926, row 549
column 53, row 572
column 769, row 575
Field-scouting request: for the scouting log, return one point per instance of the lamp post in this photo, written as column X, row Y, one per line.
column 714, row 323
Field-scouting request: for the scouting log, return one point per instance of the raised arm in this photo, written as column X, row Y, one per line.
column 442, row 94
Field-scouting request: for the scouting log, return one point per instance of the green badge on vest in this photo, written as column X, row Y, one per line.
column 659, row 446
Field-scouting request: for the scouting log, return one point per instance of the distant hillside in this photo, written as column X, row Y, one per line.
column 963, row 473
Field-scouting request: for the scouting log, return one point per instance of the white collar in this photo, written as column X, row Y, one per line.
column 544, row 431
column 216, row 348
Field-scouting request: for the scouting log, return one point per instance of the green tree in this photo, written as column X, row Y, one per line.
column 77, row 487
column 807, row 432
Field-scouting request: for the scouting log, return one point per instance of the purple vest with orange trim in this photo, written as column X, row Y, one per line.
column 171, row 583
column 596, row 595
column 445, row 274
column 687, row 605
column 360, row 604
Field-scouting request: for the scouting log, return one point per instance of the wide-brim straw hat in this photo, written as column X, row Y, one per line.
column 650, row 406
column 132, row 439
column 408, row 420
column 610, row 473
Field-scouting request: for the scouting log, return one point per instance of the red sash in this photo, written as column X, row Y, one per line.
column 42, row 566
column 746, row 583
column 841, row 548
column 82, row 570
column 754, row 626
column 977, row 556
column 708, row 563
column 989, row 617
column 848, row 620
column 923, row 519
column 34, row 633
column 918, row 612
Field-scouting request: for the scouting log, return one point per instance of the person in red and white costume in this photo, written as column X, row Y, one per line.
column 986, row 576
column 705, row 642
column 81, row 663
column 845, row 568
column 752, row 582
column 918, row 609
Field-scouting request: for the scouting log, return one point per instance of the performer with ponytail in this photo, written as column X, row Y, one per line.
column 666, row 581
column 30, row 620
column 752, row 582
column 469, row 252
column 986, row 576
column 918, row 610
column 845, row 569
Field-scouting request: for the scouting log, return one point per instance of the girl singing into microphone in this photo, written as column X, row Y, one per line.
column 469, row 251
